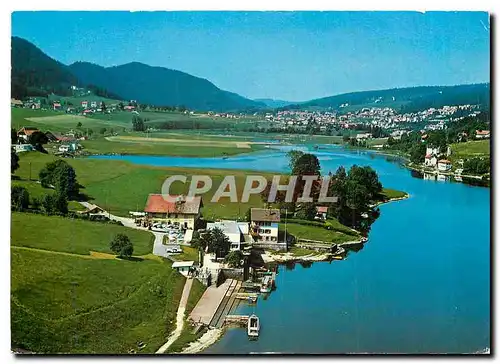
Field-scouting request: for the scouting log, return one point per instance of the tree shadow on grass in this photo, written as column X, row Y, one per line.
column 131, row 259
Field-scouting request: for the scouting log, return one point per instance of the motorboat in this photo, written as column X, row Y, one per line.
column 266, row 285
column 253, row 326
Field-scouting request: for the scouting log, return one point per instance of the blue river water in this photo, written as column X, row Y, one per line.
column 420, row 285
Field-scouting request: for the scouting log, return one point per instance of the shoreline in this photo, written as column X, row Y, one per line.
column 213, row 335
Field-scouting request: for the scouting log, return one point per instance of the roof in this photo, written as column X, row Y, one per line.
column 272, row 215
column 322, row 209
column 446, row 161
column 182, row 264
column 428, row 156
column 227, row 227
column 161, row 204
column 482, row 132
column 16, row 102
column 27, row 130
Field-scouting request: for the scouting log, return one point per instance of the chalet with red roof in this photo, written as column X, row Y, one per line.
column 482, row 134
column 25, row 132
column 179, row 210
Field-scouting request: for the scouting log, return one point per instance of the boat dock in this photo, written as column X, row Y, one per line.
column 246, row 296
column 207, row 310
column 239, row 319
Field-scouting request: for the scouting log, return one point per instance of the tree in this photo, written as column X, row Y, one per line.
column 293, row 156
column 214, row 241
column 417, row 153
column 79, row 125
column 337, row 188
column 102, row 131
column 62, row 176
column 103, row 106
column 60, row 203
column 234, row 259
column 38, row 139
column 14, row 160
column 121, row 106
column 48, row 203
column 307, row 212
column 121, row 246
column 19, row 198
column 138, row 123
column 306, row 164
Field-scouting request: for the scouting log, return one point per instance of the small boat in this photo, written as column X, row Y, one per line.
column 253, row 326
column 266, row 285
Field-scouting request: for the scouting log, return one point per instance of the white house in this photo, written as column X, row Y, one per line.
column 482, row 134
column 444, row 165
column 362, row 136
column 264, row 225
column 235, row 231
column 430, row 160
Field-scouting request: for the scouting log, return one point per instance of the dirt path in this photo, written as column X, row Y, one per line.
column 180, row 317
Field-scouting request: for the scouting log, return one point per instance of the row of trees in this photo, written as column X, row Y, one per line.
column 355, row 189
column 477, row 165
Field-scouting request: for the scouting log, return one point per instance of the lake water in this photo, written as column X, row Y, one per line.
column 420, row 285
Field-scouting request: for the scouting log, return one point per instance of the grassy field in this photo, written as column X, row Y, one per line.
column 338, row 234
column 300, row 252
column 187, row 335
column 65, row 301
column 171, row 147
column 188, row 253
column 390, row 193
column 72, row 236
column 479, row 148
column 120, row 187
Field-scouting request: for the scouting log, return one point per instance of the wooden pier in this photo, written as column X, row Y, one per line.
column 246, row 296
column 236, row 319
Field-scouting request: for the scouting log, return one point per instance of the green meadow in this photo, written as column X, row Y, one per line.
column 64, row 300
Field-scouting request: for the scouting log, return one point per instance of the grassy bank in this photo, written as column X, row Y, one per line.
column 389, row 194
column 312, row 230
column 120, row 187
column 478, row 148
column 69, row 304
column 72, row 235
column 187, row 336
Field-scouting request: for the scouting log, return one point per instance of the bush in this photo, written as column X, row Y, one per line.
column 19, row 198
column 122, row 246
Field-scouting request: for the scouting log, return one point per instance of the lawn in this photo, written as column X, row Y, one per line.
column 479, row 148
column 300, row 252
column 72, row 235
column 188, row 254
column 120, row 187
column 182, row 147
column 67, row 304
column 317, row 232
column 390, row 193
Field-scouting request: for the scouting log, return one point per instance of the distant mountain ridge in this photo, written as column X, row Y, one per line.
column 273, row 103
column 161, row 86
column 407, row 99
column 35, row 73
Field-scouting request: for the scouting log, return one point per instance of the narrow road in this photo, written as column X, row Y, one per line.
column 180, row 317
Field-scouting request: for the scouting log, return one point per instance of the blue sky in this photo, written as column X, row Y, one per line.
column 293, row 56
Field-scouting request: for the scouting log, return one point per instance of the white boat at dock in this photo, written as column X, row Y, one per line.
column 266, row 285
column 253, row 327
